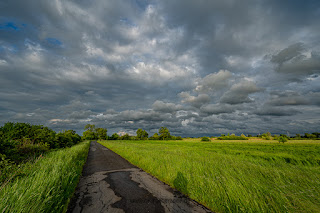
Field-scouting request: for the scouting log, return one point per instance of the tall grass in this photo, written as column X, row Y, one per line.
column 250, row 176
column 48, row 185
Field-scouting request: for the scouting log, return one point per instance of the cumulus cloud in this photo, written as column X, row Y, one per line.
column 288, row 53
column 288, row 98
column 214, row 81
column 239, row 93
column 276, row 111
column 297, row 61
column 161, row 106
column 217, row 108
column 196, row 101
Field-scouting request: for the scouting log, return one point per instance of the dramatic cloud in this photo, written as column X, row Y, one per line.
column 197, row 67
column 214, row 82
column 196, row 101
column 297, row 61
column 239, row 93
column 217, row 108
column 165, row 107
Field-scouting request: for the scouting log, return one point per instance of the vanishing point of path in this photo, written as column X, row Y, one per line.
column 109, row 183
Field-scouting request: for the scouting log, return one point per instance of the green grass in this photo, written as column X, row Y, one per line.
column 49, row 183
column 234, row 176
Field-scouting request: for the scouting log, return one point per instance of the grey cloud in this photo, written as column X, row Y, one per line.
column 214, row 81
column 239, row 93
column 288, row 98
column 276, row 111
column 287, row 53
column 294, row 60
column 196, row 101
column 161, row 106
column 217, row 108
column 302, row 65
column 314, row 97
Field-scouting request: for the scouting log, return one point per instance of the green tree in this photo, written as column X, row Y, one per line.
column 102, row 133
column 282, row 139
column 114, row 136
column 90, row 127
column 164, row 133
column 155, row 136
column 125, row 137
column 266, row 136
column 90, row 133
column 142, row 134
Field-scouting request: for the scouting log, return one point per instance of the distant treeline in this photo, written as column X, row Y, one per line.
column 93, row 133
column 269, row 136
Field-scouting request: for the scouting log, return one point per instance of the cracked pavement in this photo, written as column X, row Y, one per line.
column 109, row 183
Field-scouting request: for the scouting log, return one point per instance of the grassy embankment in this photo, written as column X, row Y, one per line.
column 234, row 176
column 48, row 184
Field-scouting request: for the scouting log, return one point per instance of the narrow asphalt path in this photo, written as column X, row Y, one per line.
column 109, row 183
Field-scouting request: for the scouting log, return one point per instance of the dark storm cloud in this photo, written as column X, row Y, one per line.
column 198, row 67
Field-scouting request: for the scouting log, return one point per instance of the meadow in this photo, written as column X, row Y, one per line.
column 47, row 184
column 234, row 176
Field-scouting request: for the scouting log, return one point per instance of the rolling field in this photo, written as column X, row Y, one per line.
column 48, row 184
column 234, row 176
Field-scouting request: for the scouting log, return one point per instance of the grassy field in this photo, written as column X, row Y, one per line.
column 234, row 176
column 48, row 184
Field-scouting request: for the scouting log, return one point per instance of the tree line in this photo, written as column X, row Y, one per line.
column 93, row 133
column 20, row 141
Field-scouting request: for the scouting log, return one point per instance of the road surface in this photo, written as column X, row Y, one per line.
column 109, row 183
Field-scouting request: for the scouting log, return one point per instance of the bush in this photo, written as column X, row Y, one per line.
column 282, row 139
column 232, row 137
column 266, row 136
column 205, row 139
column 7, row 167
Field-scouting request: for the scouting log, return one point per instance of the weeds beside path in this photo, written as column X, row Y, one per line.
column 49, row 184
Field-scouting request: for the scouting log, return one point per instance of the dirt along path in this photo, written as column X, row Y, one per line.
column 109, row 183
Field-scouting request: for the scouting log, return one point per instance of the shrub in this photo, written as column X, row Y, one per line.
column 282, row 139
column 205, row 139
column 232, row 137
column 266, row 136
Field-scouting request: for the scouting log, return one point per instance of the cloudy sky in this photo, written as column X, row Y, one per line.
column 198, row 67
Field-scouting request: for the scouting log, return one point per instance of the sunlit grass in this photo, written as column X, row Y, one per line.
column 49, row 184
column 233, row 176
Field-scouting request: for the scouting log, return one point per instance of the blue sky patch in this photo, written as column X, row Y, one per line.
column 143, row 4
column 54, row 42
column 9, row 26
